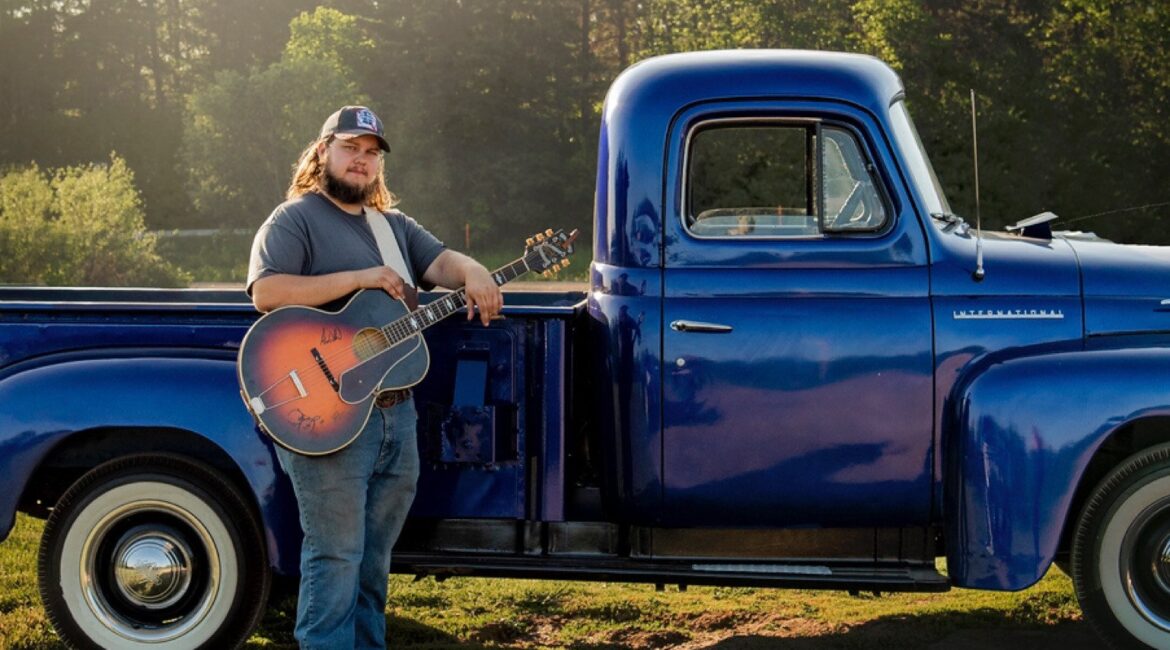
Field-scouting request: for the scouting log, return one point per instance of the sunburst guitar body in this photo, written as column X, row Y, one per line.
column 309, row 376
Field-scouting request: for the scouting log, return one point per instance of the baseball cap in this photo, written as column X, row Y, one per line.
column 352, row 121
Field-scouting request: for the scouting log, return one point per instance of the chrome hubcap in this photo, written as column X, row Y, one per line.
column 152, row 569
column 1145, row 565
column 1162, row 566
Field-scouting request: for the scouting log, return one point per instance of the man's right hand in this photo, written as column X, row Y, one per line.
column 382, row 277
column 273, row 291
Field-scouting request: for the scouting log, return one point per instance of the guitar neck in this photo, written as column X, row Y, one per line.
column 423, row 317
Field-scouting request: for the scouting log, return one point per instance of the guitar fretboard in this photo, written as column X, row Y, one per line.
column 423, row 317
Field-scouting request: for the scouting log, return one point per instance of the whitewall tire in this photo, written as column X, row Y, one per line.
column 153, row 551
column 1121, row 553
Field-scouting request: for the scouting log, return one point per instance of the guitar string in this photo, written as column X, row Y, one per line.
column 313, row 376
column 403, row 332
column 399, row 328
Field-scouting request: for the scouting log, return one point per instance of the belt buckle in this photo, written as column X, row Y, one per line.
column 389, row 398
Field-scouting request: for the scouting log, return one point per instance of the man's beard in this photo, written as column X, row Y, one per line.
column 343, row 192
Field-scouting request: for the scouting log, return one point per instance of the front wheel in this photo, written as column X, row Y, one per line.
column 1121, row 553
column 153, row 551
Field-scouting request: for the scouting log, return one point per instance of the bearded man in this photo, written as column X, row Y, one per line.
column 316, row 249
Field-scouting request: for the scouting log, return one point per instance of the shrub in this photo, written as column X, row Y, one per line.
column 81, row 225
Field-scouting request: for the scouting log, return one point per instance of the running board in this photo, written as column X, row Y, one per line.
column 848, row 577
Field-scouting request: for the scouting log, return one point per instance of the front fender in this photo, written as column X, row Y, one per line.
column 53, row 401
column 1024, row 431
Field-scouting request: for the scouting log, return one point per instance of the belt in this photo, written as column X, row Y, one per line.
column 388, row 398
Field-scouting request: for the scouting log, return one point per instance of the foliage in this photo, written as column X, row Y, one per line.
column 482, row 106
column 80, row 78
column 245, row 130
column 80, row 225
column 492, row 106
column 1071, row 96
column 219, row 257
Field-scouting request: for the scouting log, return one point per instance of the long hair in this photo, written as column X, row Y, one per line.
column 309, row 176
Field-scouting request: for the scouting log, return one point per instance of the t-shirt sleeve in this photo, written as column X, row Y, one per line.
column 421, row 246
column 279, row 247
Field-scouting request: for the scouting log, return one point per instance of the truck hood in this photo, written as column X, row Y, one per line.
column 1021, row 272
column 1126, row 287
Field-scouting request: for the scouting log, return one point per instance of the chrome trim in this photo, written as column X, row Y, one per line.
column 1008, row 314
column 699, row 327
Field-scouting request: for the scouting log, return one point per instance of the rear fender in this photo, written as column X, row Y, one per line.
column 1024, row 431
column 74, row 398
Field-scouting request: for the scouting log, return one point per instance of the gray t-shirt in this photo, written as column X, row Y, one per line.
column 310, row 235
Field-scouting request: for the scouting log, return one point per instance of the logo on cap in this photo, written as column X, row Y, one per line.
column 366, row 120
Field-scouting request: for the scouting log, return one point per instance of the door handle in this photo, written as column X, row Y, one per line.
column 696, row 326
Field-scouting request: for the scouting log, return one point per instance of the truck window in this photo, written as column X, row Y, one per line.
column 917, row 162
column 760, row 181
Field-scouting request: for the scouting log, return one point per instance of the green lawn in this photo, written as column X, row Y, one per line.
column 474, row 613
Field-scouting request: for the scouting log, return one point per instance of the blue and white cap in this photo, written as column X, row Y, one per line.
column 353, row 121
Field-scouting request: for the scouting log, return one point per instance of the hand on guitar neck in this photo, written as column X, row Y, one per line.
column 454, row 270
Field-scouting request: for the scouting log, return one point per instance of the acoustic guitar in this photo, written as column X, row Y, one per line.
column 310, row 376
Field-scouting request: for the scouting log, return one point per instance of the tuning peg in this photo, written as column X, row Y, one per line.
column 539, row 236
column 529, row 242
column 546, row 273
column 548, row 233
column 565, row 263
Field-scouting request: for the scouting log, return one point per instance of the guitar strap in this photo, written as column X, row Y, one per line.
column 388, row 244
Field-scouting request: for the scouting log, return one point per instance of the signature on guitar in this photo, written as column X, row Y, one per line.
column 330, row 335
column 304, row 423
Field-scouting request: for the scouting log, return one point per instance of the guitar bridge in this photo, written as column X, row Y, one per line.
column 325, row 369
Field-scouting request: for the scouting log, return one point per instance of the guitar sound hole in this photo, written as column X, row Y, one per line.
column 369, row 342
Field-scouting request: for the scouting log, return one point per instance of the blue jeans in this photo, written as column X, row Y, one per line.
column 352, row 507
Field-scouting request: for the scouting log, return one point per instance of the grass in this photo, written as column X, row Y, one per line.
column 490, row 613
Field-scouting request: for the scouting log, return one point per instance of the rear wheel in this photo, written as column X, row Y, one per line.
column 1121, row 553
column 153, row 551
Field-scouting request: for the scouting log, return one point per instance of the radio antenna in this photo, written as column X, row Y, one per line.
column 978, row 275
column 979, row 272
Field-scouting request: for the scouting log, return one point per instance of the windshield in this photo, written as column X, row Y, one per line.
column 918, row 165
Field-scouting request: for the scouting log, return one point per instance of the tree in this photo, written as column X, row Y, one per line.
column 81, row 225
column 483, row 111
column 244, row 130
column 1071, row 98
column 240, row 35
column 1107, row 81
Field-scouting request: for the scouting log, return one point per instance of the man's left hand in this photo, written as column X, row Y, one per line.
column 482, row 293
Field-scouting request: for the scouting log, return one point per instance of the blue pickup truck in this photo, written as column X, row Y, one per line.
column 794, row 367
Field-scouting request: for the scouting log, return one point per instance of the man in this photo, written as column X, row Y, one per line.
column 317, row 249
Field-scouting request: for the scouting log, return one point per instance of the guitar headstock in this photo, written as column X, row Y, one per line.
column 548, row 252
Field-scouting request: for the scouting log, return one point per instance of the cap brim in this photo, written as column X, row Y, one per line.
column 349, row 135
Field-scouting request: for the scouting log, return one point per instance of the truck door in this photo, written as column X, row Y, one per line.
column 797, row 354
